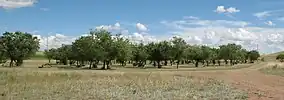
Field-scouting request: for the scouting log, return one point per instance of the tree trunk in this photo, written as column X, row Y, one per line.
column 159, row 64
column 231, row 62
column 104, row 65
column 171, row 61
column 178, row 63
column 219, row 62
column 214, row 62
column 166, row 62
column 11, row 63
column 91, row 63
column 108, row 64
column 207, row 62
column 196, row 63
column 182, row 62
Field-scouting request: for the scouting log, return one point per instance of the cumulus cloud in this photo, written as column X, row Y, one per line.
column 54, row 41
column 219, row 32
column 114, row 27
column 10, row 4
column 222, row 9
column 141, row 27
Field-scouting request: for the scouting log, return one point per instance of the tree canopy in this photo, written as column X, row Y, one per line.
column 102, row 46
column 18, row 46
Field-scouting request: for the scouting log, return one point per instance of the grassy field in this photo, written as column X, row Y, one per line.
column 275, row 69
column 65, row 83
column 19, row 84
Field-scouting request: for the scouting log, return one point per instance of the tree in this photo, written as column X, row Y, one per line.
column 140, row 55
column 19, row 46
column 123, row 48
column 206, row 54
column 179, row 45
column 86, row 50
column 253, row 55
column 106, row 46
column 195, row 53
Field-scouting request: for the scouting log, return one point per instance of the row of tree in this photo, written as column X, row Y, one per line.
column 102, row 46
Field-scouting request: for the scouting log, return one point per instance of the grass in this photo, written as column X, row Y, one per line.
column 150, row 68
column 29, row 84
column 39, row 56
column 273, row 70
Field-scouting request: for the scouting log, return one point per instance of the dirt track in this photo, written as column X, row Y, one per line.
column 259, row 85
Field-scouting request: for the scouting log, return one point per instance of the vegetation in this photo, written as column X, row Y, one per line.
column 17, row 46
column 274, row 70
column 280, row 57
column 35, row 85
column 103, row 47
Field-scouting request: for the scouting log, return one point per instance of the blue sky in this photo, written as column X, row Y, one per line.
column 186, row 18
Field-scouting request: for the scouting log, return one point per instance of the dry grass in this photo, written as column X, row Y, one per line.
column 274, row 69
column 28, row 84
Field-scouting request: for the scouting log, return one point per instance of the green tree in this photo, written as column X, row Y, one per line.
column 253, row 55
column 124, row 49
column 179, row 45
column 139, row 55
column 107, row 47
column 19, row 46
column 87, row 50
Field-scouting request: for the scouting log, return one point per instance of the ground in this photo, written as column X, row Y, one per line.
column 253, row 82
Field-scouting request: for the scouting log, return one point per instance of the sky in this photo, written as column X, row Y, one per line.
column 254, row 24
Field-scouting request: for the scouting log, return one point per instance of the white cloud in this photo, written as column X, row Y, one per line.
column 270, row 23
column 220, row 32
column 10, row 4
column 261, row 15
column 141, row 27
column 265, row 14
column 54, row 41
column 232, row 10
column 222, row 9
column 185, row 23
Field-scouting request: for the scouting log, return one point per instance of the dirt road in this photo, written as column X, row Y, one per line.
column 259, row 86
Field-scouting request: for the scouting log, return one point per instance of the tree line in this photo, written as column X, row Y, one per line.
column 103, row 47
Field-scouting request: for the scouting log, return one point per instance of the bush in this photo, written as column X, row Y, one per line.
column 280, row 57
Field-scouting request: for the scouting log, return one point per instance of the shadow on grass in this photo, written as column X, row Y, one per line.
column 210, row 68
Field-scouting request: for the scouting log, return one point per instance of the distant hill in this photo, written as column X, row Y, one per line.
column 271, row 57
